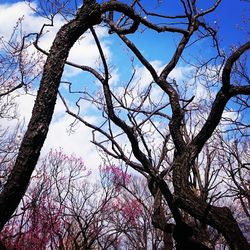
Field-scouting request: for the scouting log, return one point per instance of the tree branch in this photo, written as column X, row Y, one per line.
column 36, row 133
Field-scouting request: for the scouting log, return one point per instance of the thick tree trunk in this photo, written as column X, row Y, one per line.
column 168, row 241
column 220, row 218
column 181, row 232
column 87, row 16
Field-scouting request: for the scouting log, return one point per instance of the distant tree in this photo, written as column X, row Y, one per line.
column 174, row 132
column 63, row 210
column 132, row 210
column 59, row 203
column 18, row 70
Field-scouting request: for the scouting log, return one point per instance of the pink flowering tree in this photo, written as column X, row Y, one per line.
column 37, row 226
column 132, row 211
column 38, row 222
column 163, row 126
column 114, row 176
column 62, row 209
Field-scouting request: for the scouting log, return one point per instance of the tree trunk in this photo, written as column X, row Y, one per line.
column 220, row 218
column 87, row 16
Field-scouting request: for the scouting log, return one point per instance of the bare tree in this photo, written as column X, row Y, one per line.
column 18, row 70
column 132, row 210
column 63, row 210
column 169, row 131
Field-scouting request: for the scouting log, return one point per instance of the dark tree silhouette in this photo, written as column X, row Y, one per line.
column 176, row 172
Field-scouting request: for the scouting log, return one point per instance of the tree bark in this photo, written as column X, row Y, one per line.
column 220, row 218
column 16, row 185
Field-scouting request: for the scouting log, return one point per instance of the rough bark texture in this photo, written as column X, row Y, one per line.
column 87, row 16
column 220, row 218
column 184, row 198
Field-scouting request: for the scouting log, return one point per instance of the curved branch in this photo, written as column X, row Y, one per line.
column 226, row 73
column 82, row 67
column 222, row 97
column 140, row 156
column 123, row 31
column 203, row 13
column 125, row 9
column 178, row 52
column 20, row 85
column 139, row 55
column 88, row 15
column 212, row 121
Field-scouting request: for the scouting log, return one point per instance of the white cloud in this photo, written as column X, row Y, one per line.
column 180, row 73
column 9, row 15
column 77, row 142
column 228, row 116
column 24, row 104
column 84, row 52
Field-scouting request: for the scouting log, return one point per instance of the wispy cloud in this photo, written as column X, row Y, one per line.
column 84, row 52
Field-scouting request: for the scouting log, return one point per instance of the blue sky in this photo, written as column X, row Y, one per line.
column 228, row 17
column 157, row 48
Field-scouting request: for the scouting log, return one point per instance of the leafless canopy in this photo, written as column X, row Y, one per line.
column 158, row 126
